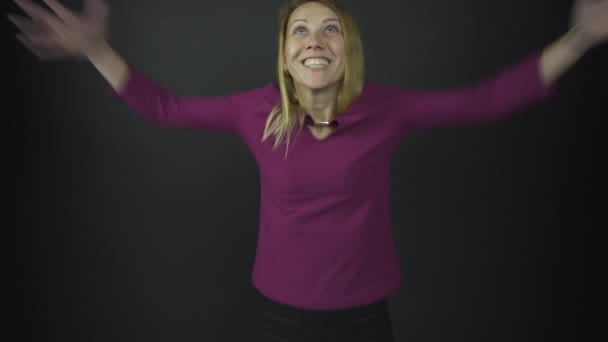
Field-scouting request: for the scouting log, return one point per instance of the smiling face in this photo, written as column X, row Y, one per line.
column 314, row 47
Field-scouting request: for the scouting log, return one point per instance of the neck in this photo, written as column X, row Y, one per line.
column 320, row 104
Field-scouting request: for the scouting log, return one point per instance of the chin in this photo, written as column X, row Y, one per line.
column 317, row 85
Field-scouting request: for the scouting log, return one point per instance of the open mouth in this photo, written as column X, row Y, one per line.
column 316, row 62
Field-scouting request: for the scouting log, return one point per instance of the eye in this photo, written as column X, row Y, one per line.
column 331, row 29
column 299, row 30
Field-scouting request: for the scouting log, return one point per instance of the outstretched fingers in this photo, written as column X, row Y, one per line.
column 604, row 6
column 26, row 25
column 62, row 12
column 36, row 12
column 41, row 48
column 30, row 46
column 96, row 9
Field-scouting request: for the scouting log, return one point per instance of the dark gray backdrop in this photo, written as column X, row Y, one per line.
column 126, row 231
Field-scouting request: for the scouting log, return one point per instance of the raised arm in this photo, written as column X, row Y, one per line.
column 64, row 34
column 588, row 28
column 514, row 88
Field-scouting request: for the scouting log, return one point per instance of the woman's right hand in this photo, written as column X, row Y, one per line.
column 62, row 33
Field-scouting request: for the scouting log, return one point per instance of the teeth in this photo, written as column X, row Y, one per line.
column 316, row 62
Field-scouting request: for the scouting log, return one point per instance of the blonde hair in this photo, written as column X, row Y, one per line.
column 285, row 115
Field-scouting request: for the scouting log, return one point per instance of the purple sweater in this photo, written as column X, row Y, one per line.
column 325, row 239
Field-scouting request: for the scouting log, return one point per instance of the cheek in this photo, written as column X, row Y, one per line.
column 290, row 54
column 342, row 49
column 339, row 49
column 291, row 47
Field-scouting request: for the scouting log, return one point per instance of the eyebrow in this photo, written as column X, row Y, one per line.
column 306, row 21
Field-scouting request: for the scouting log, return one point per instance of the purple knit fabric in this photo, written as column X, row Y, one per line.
column 325, row 239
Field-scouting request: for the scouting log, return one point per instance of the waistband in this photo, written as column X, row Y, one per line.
column 299, row 314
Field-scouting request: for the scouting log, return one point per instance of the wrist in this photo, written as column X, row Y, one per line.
column 95, row 48
column 576, row 41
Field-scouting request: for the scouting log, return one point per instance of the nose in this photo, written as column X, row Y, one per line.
column 315, row 42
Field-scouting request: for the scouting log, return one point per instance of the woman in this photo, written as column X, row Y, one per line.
column 323, row 139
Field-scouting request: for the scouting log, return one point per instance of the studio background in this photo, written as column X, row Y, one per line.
column 121, row 230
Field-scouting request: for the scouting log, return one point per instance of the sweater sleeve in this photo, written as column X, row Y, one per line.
column 155, row 102
column 511, row 90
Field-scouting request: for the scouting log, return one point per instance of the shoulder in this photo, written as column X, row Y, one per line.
column 376, row 94
column 374, row 90
column 265, row 96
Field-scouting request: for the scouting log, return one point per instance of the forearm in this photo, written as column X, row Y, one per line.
column 109, row 64
column 561, row 55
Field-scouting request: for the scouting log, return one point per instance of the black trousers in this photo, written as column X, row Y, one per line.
column 369, row 323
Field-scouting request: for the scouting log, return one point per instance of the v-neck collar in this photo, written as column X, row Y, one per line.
column 272, row 97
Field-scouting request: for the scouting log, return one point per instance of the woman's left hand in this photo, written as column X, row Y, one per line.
column 589, row 22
